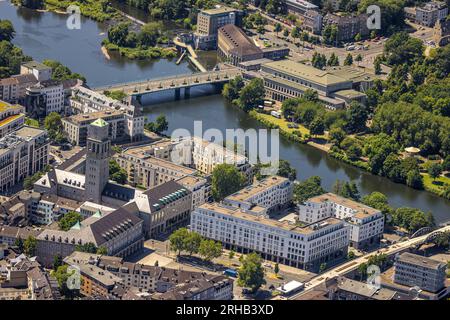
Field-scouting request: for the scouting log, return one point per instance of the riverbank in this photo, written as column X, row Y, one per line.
column 302, row 135
column 140, row 53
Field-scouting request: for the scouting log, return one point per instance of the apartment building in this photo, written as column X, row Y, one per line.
column 76, row 126
column 149, row 166
column 366, row 224
column 22, row 153
column 51, row 208
column 205, row 156
column 200, row 188
column 208, row 23
column 272, row 193
column 164, row 208
column 348, row 26
column 12, row 117
column 304, row 247
column 39, row 70
column 431, row 13
column 13, row 89
column 336, row 86
column 160, row 282
column 119, row 232
column 44, row 98
column 300, row 6
column 84, row 101
column 413, row 270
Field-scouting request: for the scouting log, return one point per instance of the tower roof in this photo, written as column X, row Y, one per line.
column 99, row 123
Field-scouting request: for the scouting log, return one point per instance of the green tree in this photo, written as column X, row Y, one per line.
column 378, row 201
column 377, row 65
column 358, row 37
column 69, row 220
column 116, row 173
column 336, row 136
column 150, row 32
column 226, row 179
column 346, row 189
column 309, row 188
column 323, row 267
column 19, row 244
column 357, row 116
column 102, row 250
column 192, row 242
column 53, row 124
column 277, row 28
column 177, row 240
column 276, row 269
column 317, row 126
column 209, row 249
column 285, row 170
column 231, row 254
column 232, row 88
column 348, row 60
column 252, row 95
column 414, row 179
column 62, row 276
column 251, row 272
column 412, row 219
column 6, row 30
column 401, row 48
column 57, row 261
column 29, row 246
column 86, row 247
column 434, row 170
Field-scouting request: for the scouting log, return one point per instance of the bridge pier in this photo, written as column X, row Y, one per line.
column 177, row 93
column 187, row 92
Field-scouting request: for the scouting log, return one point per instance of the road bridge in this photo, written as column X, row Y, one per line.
column 176, row 83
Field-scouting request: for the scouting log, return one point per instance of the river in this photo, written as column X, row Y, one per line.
column 44, row 36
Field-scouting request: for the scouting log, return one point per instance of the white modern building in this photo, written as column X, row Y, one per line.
column 39, row 70
column 366, row 223
column 44, row 98
column 22, row 154
column 306, row 247
column 272, row 193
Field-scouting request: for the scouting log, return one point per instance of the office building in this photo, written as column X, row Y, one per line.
column 119, row 232
column 272, row 193
column 39, row 70
column 164, row 208
column 417, row 271
column 304, row 247
column 431, row 13
column 366, row 224
column 76, row 126
column 13, row 89
column 208, row 23
column 44, row 98
column 22, row 153
column 336, row 86
column 12, row 117
column 348, row 26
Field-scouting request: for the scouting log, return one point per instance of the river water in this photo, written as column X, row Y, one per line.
column 44, row 36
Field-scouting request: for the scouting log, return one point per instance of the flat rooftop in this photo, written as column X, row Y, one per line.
column 284, row 225
column 35, row 65
column 421, row 261
column 92, row 116
column 220, row 10
column 256, row 188
column 5, row 106
column 331, row 197
column 309, row 73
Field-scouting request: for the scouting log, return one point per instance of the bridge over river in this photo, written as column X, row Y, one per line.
column 176, row 83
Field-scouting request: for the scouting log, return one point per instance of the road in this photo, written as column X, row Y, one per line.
column 173, row 82
column 352, row 265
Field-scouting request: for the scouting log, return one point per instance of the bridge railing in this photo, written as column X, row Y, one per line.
column 182, row 77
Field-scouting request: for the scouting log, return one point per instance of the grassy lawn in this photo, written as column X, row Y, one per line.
column 437, row 185
column 283, row 124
